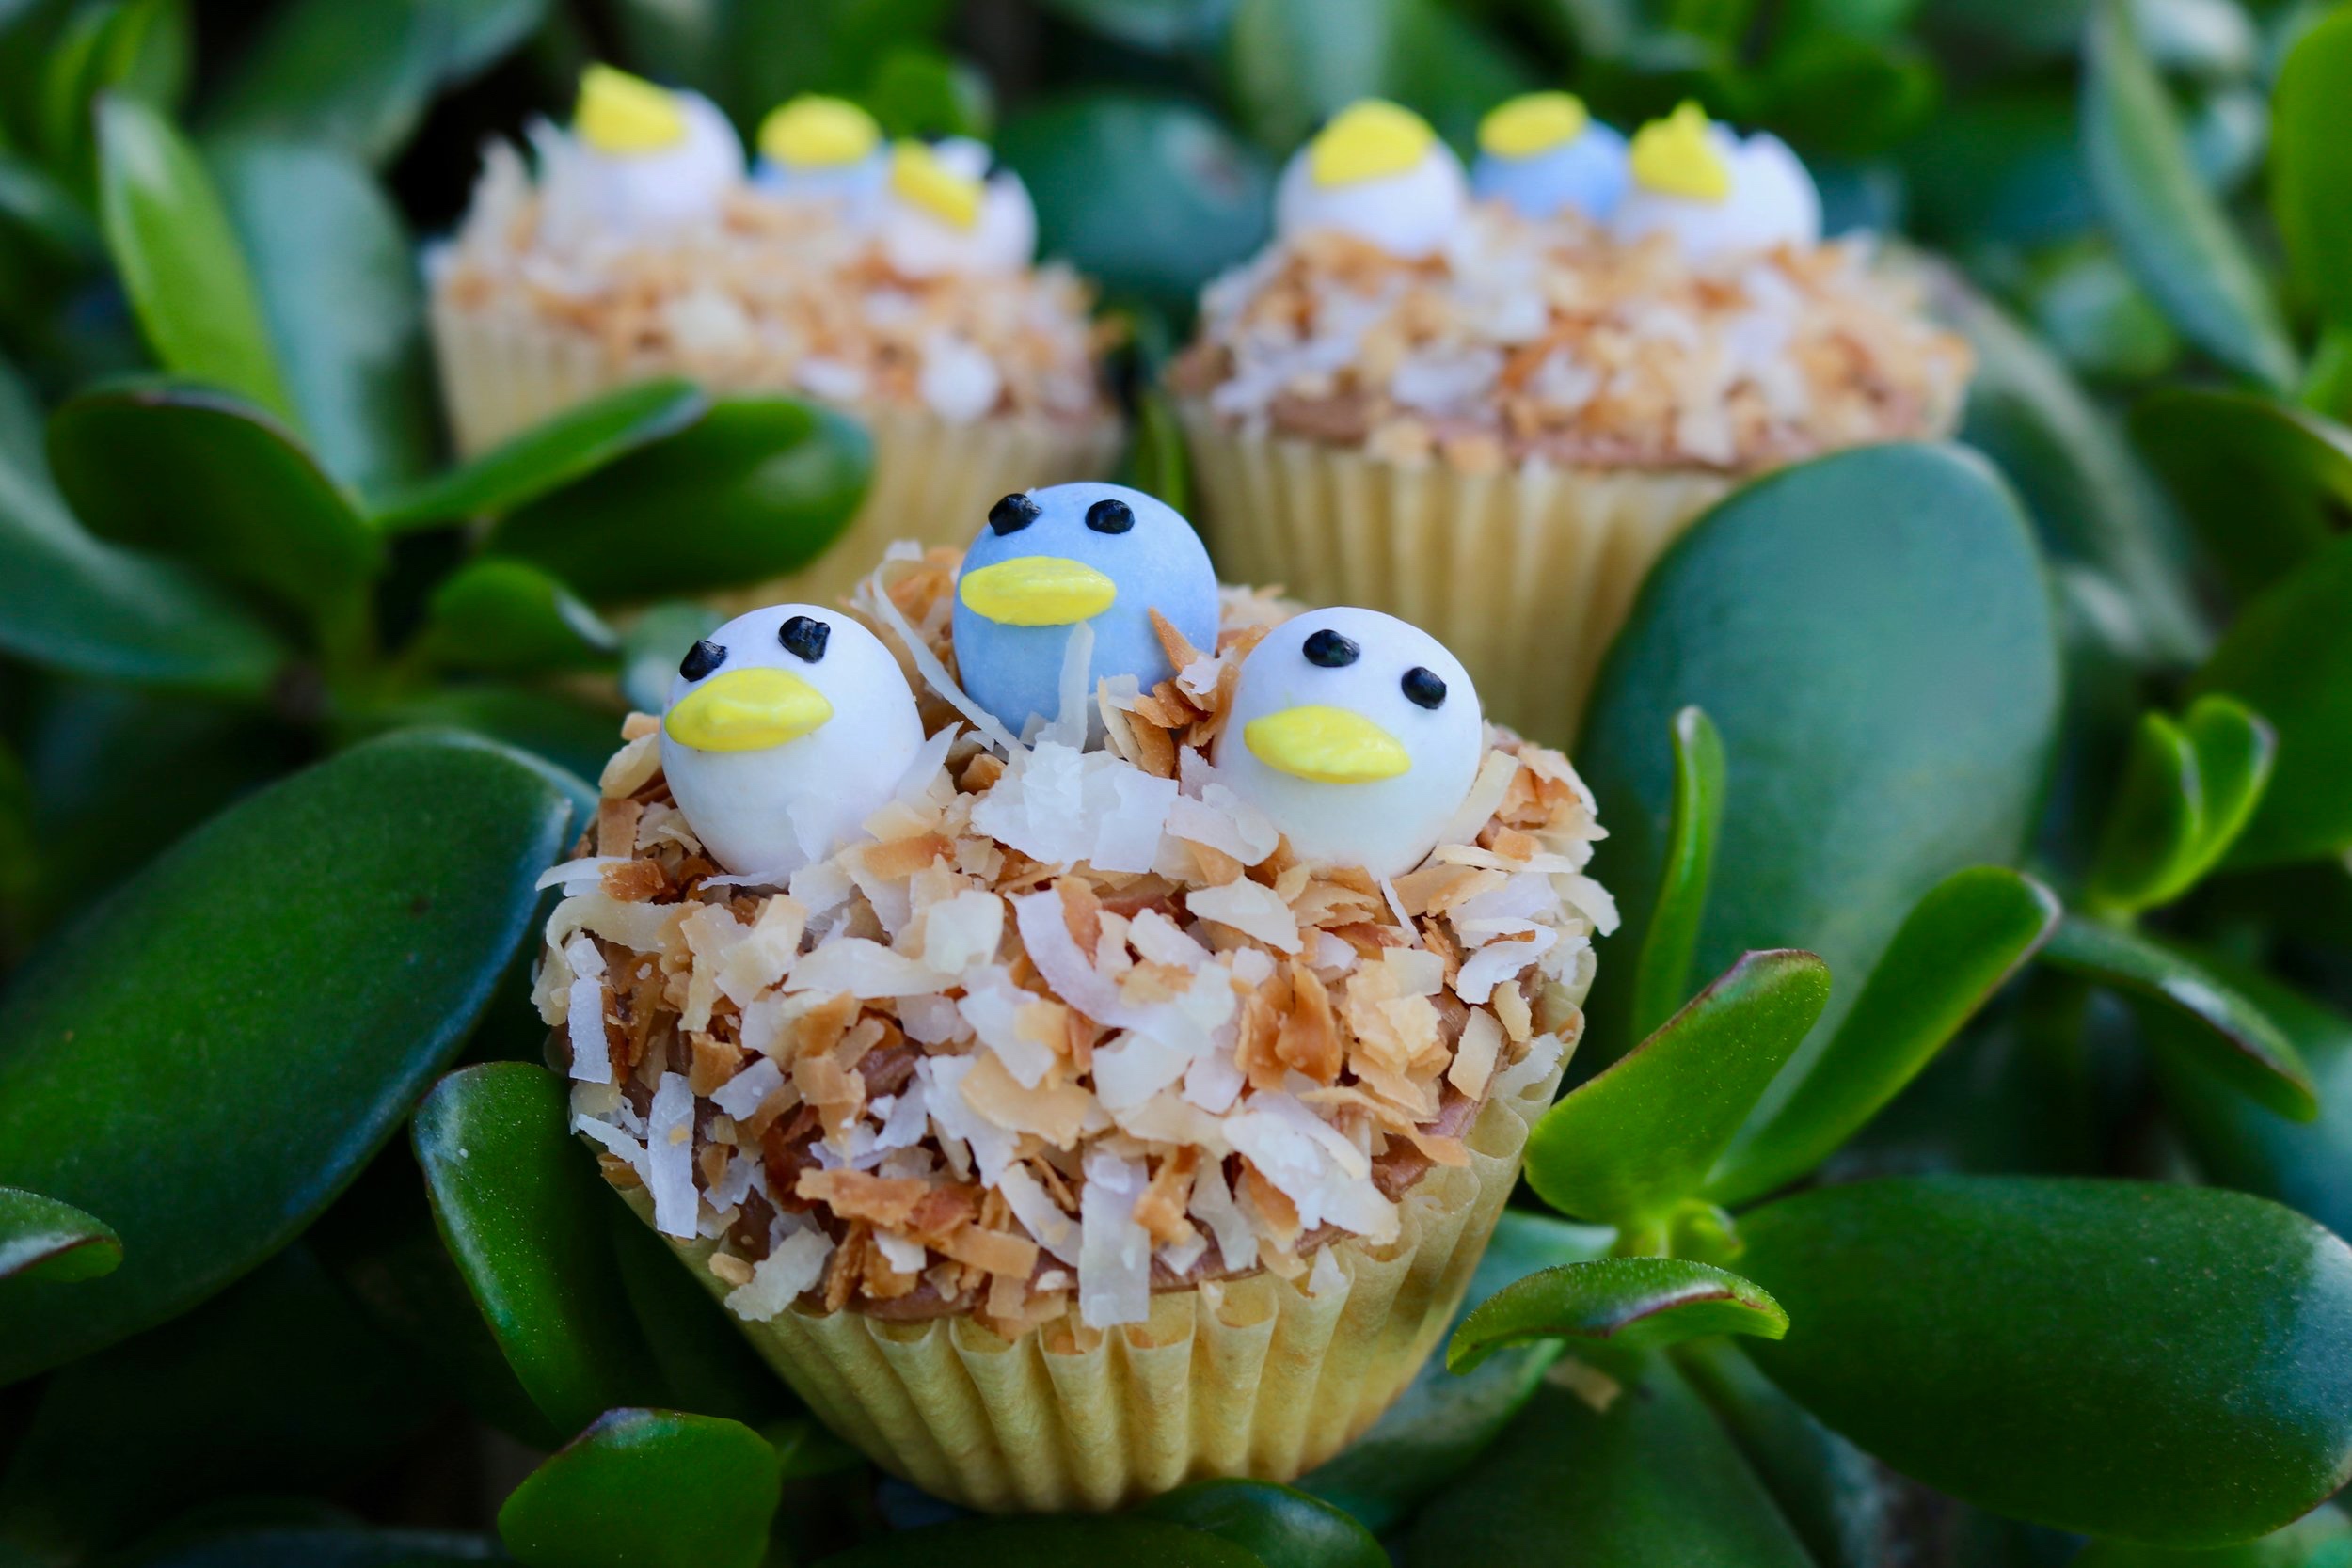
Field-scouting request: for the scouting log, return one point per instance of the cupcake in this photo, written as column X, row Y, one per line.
column 1067, row 1118
column 1487, row 403
column 893, row 282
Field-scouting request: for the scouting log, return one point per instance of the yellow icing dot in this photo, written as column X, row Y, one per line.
column 916, row 175
column 1368, row 140
column 1673, row 157
column 815, row 132
column 1533, row 122
column 620, row 113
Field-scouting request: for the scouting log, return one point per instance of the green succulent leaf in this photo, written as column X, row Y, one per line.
column 1836, row 1498
column 219, row 483
column 2167, row 1365
column 511, row 618
column 548, row 456
column 1960, row 945
column 2166, row 219
column 698, row 1348
column 1872, row 634
column 178, row 256
column 2262, row 480
column 578, row 736
column 340, row 293
column 1290, row 64
column 1444, row 1420
column 296, row 964
column 1661, row 976
column 1280, row 1527
column 2311, row 163
column 2289, row 658
column 1628, row 1145
column 647, row 1489
column 1159, row 25
column 44, row 1239
column 920, row 91
column 524, row 1214
column 76, row 603
column 2159, row 840
column 2231, row 1037
column 1128, row 1539
column 770, row 481
column 1149, row 196
column 1650, row 1478
column 322, row 1546
column 1625, row 1304
column 137, row 49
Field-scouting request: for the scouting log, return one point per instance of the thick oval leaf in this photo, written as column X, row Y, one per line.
column 2153, row 825
column 218, row 483
column 340, row 294
column 1838, row 1499
column 1069, row 1543
column 511, row 618
column 549, row 455
column 766, row 481
column 1282, row 1527
column 647, row 1489
column 1871, row 633
column 522, row 1212
column 2321, row 1539
column 74, row 603
column 2289, row 658
column 1694, row 822
column 1148, row 196
column 2172, row 230
column 2262, row 480
column 575, row 735
column 2311, row 163
column 1652, row 1479
column 2231, row 1037
column 2169, row 1365
column 1627, row 1304
column 133, row 49
column 305, row 962
column 1443, row 1420
column 1962, row 943
column 178, row 256
column 44, row 1239
column 2307, row 1166
column 1628, row 1145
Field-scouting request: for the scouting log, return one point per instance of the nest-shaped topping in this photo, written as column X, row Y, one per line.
column 1552, row 343
column 1071, row 1026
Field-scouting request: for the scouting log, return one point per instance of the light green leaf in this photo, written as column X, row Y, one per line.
column 1620, row 1303
column 2262, row 482
column 1662, row 972
column 44, row 1239
column 647, row 1489
column 1280, row 1527
column 2188, row 791
column 512, row 618
column 2311, row 163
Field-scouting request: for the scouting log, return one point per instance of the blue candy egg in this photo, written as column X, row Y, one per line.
column 1587, row 175
column 1049, row 559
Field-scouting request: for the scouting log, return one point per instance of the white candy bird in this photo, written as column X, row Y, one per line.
column 1377, row 171
column 641, row 158
column 785, row 729
column 948, row 208
column 1359, row 733
column 1716, row 192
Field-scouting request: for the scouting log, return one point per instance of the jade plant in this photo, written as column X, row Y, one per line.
column 1955, row 1154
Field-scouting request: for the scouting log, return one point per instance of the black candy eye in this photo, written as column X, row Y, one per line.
column 1423, row 687
column 1110, row 517
column 1013, row 514
column 1330, row 649
column 804, row 637
column 702, row 659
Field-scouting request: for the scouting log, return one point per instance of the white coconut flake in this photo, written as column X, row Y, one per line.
column 1497, row 963
column 1251, row 909
column 1543, row 1054
column 670, row 1156
column 580, row 876
column 790, row 1270
column 1212, row 1206
column 962, row 931
column 862, row 968
column 934, row 674
column 1326, row 1275
column 1070, row 724
column 592, row 1053
column 1113, row 1251
column 991, row 1004
column 992, row 1148
column 614, row 1139
column 744, row 1093
column 1038, row 1214
column 1486, row 793
column 931, row 1019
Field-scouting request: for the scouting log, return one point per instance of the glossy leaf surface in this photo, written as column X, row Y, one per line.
column 647, row 1489
column 1962, row 942
column 44, row 1239
column 2311, row 163
column 1070, row 1541
column 1626, row 1145
column 2171, row 1365
column 1660, row 981
column 295, row 963
column 1626, row 1304
column 2187, row 792
column 1280, row 1527
column 510, row 617
column 2261, row 480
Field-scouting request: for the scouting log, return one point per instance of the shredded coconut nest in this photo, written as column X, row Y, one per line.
column 1071, row 1026
column 1549, row 342
column 777, row 296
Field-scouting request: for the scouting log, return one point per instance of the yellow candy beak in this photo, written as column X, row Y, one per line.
column 747, row 710
column 1038, row 590
column 1328, row 745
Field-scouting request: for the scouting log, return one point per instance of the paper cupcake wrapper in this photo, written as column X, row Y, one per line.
column 1253, row 1377
column 933, row 481
column 1526, row 575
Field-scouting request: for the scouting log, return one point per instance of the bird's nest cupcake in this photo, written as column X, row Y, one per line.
column 895, row 281
column 1489, row 402
column 1071, row 1106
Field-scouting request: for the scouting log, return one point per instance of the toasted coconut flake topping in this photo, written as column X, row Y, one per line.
column 1069, row 1027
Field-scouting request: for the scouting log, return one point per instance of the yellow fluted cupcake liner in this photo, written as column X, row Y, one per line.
column 1526, row 573
column 1257, row 1376
column 503, row 371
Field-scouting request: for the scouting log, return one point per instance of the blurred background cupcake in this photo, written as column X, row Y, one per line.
column 895, row 280
column 1488, row 400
